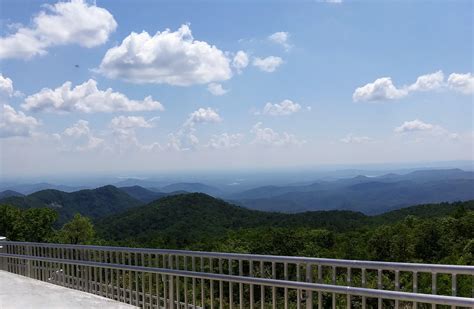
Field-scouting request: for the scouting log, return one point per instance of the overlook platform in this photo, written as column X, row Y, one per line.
column 21, row 292
column 45, row 275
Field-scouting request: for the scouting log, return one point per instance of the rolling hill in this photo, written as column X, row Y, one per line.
column 95, row 203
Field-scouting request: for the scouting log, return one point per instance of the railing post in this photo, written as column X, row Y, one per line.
column 3, row 249
column 309, row 294
column 28, row 262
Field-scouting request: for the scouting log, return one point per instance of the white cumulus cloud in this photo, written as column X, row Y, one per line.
column 281, row 38
column 167, row 57
column 268, row 64
column 79, row 137
column 284, row 108
column 75, row 22
column 16, row 123
column 240, row 61
column 216, row 89
column 383, row 89
column 6, row 85
column 203, row 115
column 86, row 98
column 428, row 82
column 269, row 137
column 461, row 82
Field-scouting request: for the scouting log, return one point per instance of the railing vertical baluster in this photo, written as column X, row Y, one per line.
column 298, row 291
column 379, row 286
column 202, row 282
column 364, row 283
column 211, row 288
column 320, row 280
column 171, row 283
column 349, row 282
column 185, row 267
column 285, row 274
column 433, row 286
column 454, row 286
column 130, row 294
column 221, row 287
column 309, row 294
column 334, row 269
column 262, row 287
column 251, row 285
column 415, row 287
column 178, row 297
column 241, row 286
column 137, row 295
column 231, row 292
column 397, row 287
column 193, row 268
column 150, row 282
column 143, row 280
column 273, row 288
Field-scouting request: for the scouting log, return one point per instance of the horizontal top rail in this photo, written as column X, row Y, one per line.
column 317, row 287
column 395, row 266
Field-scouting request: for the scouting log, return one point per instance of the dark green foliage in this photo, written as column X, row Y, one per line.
column 35, row 224
column 181, row 220
column 78, row 231
column 94, row 203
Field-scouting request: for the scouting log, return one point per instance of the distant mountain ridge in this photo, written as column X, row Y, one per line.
column 371, row 195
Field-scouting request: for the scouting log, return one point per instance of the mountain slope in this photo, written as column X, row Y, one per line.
column 143, row 194
column 95, row 203
column 180, row 220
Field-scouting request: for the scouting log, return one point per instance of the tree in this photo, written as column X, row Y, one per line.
column 79, row 230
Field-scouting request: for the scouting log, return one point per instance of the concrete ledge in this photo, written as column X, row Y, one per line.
column 25, row 293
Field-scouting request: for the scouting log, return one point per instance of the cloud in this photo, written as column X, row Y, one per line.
column 383, row 89
column 86, row 98
column 79, row 137
column 268, row 64
column 268, row 137
column 225, row 141
column 216, row 89
column 280, row 38
column 428, row 82
column 185, row 138
column 352, row 139
column 463, row 83
column 203, row 115
column 6, row 85
column 75, row 22
column 413, row 126
column 284, row 108
column 13, row 123
column 6, row 88
column 167, row 57
column 240, row 61
column 124, row 132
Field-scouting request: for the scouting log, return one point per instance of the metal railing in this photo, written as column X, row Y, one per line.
column 159, row 278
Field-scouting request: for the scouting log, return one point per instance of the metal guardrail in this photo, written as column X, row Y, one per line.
column 157, row 278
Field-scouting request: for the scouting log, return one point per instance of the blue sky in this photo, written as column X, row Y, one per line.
column 323, row 83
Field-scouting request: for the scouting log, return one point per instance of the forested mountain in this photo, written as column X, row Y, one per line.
column 94, row 203
column 9, row 193
column 197, row 220
column 183, row 219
